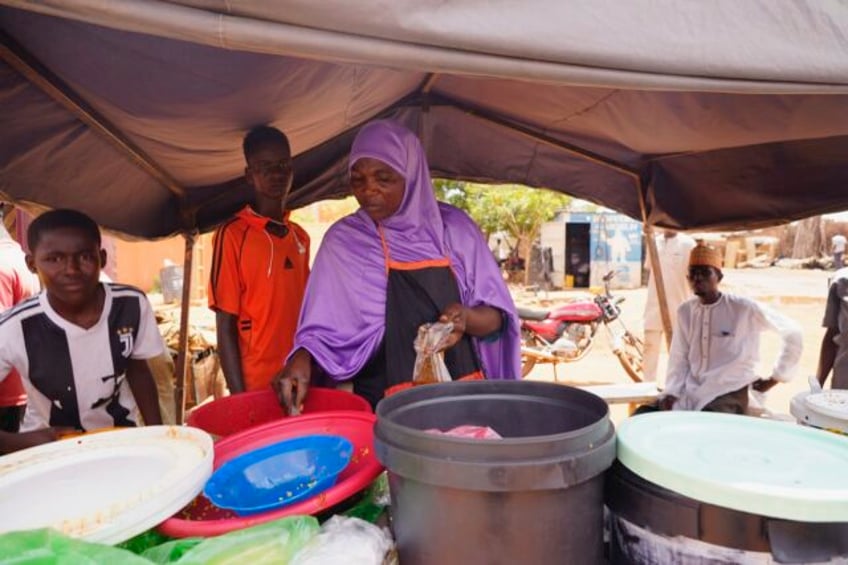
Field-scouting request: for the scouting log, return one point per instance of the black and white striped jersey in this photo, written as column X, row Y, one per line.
column 76, row 377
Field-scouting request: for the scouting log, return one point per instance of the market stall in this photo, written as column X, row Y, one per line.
column 697, row 115
column 682, row 116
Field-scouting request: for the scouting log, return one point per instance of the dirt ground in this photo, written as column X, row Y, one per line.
column 800, row 294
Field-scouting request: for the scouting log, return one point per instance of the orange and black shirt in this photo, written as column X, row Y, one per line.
column 260, row 277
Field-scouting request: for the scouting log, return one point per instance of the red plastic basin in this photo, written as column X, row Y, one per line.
column 201, row 518
column 239, row 412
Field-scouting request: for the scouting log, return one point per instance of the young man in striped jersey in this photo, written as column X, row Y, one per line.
column 80, row 346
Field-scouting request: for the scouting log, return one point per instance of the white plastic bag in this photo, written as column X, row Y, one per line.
column 429, row 361
column 346, row 541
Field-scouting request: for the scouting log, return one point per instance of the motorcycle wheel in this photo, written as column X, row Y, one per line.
column 630, row 356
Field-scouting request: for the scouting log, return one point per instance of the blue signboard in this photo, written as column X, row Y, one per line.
column 616, row 244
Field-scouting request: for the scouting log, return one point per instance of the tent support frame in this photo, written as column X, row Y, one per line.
column 22, row 61
column 575, row 150
column 185, row 307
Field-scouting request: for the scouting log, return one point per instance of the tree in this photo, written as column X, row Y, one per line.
column 518, row 210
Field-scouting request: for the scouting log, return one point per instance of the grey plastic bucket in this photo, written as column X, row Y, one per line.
column 171, row 283
column 535, row 496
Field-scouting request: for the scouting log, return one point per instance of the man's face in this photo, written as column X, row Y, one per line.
column 68, row 262
column 704, row 280
column 269, row 170
column 377, row 187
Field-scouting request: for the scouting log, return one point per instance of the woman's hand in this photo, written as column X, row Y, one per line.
column 479, row 321
column 457, row 314
column 292, row 382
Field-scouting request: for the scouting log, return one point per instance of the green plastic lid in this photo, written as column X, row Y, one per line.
column 753, row 465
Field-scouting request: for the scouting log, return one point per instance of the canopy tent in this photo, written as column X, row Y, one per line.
column 721, row 114
column 691, row 114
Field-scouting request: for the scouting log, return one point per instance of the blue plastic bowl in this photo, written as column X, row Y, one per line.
column 278, row 474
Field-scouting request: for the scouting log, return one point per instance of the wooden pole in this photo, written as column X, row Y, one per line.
column 182, row 348
column 656, row 268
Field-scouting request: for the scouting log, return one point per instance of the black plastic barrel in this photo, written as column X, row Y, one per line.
column 535, row 496
column 652, row 525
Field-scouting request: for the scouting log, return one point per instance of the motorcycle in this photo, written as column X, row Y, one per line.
column 566, row 333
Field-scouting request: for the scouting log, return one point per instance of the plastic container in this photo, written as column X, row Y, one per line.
column 650, row 524
column 811, row 413
column 278, row 474
column 171, row 283
column 202, row 518
column 535, row 496
column 104, row 487
column 753, row 465
column 707, row 488
column 240, row 412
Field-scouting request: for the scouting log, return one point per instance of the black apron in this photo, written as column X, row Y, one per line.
column 416, row 294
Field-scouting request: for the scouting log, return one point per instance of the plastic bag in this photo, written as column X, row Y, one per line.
column 429, row 362
column 143, row 541
column 374, row 502
column 49, row 546
column 171, row 551
column 346, row 541
column 468, row 432
column 272, row 543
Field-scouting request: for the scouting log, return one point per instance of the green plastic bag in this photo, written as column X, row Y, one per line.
column 271, row 543
column 171, row 551
column 143, row 541
column 374, row 502
column 49, row 547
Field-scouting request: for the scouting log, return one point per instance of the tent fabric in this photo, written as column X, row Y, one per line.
column 721, row 114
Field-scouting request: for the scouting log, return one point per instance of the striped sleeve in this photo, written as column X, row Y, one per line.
column 224, row 279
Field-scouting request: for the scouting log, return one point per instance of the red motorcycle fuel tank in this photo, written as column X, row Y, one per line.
column 576, row 312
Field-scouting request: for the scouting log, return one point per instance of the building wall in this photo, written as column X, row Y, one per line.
column 138, row 263
column 616, row 244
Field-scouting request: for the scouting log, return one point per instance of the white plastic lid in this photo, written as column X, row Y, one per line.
column 753, row 465
column 804, row 415
column 104, row 487
column 831, row 403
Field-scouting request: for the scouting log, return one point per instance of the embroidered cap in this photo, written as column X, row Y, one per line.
column 705, row 255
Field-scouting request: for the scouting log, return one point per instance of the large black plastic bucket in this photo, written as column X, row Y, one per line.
column 535, row 496
column 652, row 525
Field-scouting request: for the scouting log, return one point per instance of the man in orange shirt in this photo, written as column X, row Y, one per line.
column 259, row 269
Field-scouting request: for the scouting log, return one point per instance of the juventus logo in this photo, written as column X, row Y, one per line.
column 126, row 338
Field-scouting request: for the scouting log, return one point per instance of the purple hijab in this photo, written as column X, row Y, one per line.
column 342, row 321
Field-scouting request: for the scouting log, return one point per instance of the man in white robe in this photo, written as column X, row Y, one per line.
column 715, row 349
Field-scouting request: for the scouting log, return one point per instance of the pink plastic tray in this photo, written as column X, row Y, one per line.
column 236, row 413
column 202, row 518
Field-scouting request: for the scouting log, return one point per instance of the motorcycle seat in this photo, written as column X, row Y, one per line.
column 530, row 314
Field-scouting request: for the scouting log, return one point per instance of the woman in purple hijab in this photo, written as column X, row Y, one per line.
column 403, row 259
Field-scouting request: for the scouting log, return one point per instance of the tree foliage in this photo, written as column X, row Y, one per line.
column 518, row 210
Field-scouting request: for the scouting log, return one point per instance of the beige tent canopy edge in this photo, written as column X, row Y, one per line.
column 185, row 23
